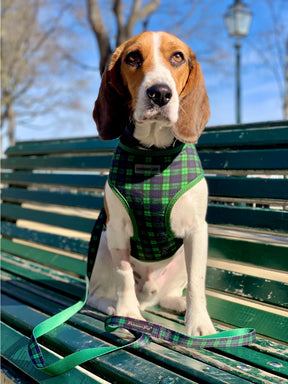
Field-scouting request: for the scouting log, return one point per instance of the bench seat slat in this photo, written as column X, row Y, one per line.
column 52, row 179
column 68, row 244
column 48, row 258
column 271, row 292
column 268, row 323
column 21, row 360
column 43, row 276
column 81, row 200
column 76, row 223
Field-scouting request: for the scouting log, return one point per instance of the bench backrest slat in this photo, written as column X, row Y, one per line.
column 62, row 242
column 250, row 218
column 76, row 223
column 55, row 179
column 81, row 200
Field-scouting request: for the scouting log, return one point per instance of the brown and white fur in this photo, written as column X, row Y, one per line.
column 146, row 68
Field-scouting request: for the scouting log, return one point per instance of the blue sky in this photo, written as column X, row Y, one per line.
column 260, row 94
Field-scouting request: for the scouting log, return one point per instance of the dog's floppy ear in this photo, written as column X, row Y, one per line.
column 111, row 107
column 194, row 110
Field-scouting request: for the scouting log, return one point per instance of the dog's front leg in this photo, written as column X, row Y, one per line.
column 126, row 302
column 197, row 319
column 119, row 232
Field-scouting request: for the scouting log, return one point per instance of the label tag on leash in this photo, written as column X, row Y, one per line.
column 143, row 331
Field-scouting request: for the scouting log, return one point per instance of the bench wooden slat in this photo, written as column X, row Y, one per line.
column 219, row 215
column 76, row 223
column 54, row 162
column 245, row 251
column 267, row 219
column 244, row 187
column 54, row 179
column 271, row 292
column 268, row 323
column 43, row 276
column 267, row 159
column 218, row 186
column 20, row 358
column 259, row 361
column 81, row 200
column 68, row 244
column 263, row 125
column 48, row 258
column 258, row 131
column 25, row 148
column 236, row 138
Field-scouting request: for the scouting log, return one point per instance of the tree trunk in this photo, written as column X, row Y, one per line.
column 11, row 125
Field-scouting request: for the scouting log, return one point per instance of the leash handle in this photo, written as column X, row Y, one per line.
column 142, row 330
column 70, row 361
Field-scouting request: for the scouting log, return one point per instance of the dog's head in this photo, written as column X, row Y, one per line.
column 153, row 77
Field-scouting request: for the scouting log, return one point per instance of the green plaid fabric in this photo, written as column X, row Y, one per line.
column 232, row 338
column 149, row 182
column 95, row 240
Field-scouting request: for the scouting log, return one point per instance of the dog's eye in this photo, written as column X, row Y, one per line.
column 134, row 59
column 177, row 59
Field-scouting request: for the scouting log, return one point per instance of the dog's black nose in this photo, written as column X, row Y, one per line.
column 160, row 94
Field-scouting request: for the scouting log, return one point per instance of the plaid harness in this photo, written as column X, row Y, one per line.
column 148, row 183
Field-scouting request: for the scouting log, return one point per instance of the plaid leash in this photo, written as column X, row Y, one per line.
column 142, row 330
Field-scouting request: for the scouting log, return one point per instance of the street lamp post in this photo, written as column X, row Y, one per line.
column 238, row 20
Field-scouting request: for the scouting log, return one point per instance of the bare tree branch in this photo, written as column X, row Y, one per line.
column 33, row 61
column 98, row 27
column 137, row 14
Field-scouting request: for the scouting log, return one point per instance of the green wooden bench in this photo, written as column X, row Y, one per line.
column 52, row 191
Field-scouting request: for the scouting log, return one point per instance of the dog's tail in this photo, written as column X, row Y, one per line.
column 99, row 226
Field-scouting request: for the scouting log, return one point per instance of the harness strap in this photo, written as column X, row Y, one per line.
column 142, row 330
column 95, row 240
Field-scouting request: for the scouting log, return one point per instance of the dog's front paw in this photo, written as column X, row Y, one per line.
column 126, row 311
column 199, row 324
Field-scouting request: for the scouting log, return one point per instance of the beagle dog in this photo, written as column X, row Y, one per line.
column 153, row 97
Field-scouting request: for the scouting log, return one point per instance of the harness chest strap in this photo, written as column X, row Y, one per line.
column 142, row 330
